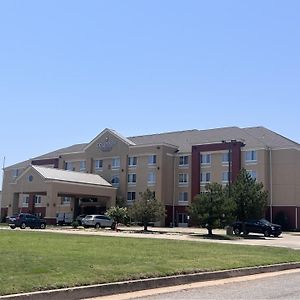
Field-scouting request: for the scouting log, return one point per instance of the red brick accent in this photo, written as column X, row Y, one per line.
column 235, row 148
column 169, row 212
column 289, row 211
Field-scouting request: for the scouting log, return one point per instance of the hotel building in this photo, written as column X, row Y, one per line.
column 88, row 178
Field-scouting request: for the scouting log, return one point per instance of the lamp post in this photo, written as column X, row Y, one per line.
column 229, row 143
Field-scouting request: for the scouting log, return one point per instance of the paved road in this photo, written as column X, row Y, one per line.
column 280, row 285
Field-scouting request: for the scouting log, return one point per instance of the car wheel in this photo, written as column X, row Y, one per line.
column 23, row 225
column 246, row 232
column 237, row 231
column 12, row 227
column 97, row 225
column 31, row 227
column 266, row 233
column 85, row 226
column 276, row 235
column 43, row 226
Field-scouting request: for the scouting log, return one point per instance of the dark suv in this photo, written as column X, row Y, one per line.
column 24, row 220
column 257, row 226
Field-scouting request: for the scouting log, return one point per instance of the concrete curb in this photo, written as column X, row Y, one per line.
column 98, row 290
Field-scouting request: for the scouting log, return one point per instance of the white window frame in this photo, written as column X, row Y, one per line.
column 15, row 173
column 253, row 156
column 183, row 160
column 225, row 158
column 132, row 161
column 152, row 159
column 37, row 200
column 25, row 200
column 183, row 178
column 115, row 184
column 205, row 158
column 82, row 165
column 205, row 175
column 131, row 179
column 98, row 164
column 183, row 197
column 251, row 173
column 151, row 178
column 225, row 176
column 132, row 193
column 115, row 163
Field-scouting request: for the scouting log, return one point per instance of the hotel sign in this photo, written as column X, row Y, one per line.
column 107, row 145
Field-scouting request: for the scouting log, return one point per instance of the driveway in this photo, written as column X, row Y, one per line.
column 287, row 239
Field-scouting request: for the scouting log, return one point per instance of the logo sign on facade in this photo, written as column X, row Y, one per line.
column 107, row 145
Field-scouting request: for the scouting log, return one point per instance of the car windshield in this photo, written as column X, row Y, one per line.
column 265, row 222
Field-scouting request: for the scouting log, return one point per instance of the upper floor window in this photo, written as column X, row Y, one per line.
column 15, row 173
column 98, row 164
column 205, row 159
column 251, row 156
column 131, row 178
column 82, row 165
column 151, row 178
column 115, row 181
column 183, row 197
column 252, row 174
column 183, row 178
column 225, row 176
column 132, row 161
column 68, row 166
column 183, row 160
column 151, row 159
column 205, row 177
column 225, row 157
column 115, row 164
column 131, row 196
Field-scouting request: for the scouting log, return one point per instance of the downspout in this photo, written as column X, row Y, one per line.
column 174, row 186
column 271, row 184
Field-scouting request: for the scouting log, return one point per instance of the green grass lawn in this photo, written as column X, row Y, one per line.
column 39, row 260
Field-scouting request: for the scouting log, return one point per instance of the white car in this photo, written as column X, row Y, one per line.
column 98, row 221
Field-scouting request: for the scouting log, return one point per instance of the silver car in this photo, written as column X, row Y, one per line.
column 98, row 221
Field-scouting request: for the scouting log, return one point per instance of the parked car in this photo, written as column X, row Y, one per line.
column 26, row 220
column 79, row 219
column 98, row 221
column 257, row 226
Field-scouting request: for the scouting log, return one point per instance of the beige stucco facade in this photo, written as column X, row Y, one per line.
column 162, row 163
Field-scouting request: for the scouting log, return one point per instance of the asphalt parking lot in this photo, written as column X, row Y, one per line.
column 287, row 239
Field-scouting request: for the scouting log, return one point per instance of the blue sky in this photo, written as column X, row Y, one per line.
column 69, row 69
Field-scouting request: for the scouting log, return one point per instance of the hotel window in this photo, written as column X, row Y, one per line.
column 225, row 157
column 205, row 159
column 252, row 174
column 65, row 200
column 115, row 164
column 115, row 181
column 98, row 164
column 131, row 196
column 183, row 178
column 205, row 177
column 225, row 176
column 151, row 178
column 183, row 197
column 132, row 178
column 68, row 166
column 25, row 201
column 132, row 161
column 37, row 199
column 82, row 165
column 151, row 159
column 183, row 160
column 15, row 173
column 251, row 156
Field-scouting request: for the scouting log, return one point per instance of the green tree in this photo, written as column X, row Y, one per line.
column 147, row 209
column 212, row 209
column 249, row 196
column 118, row 214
